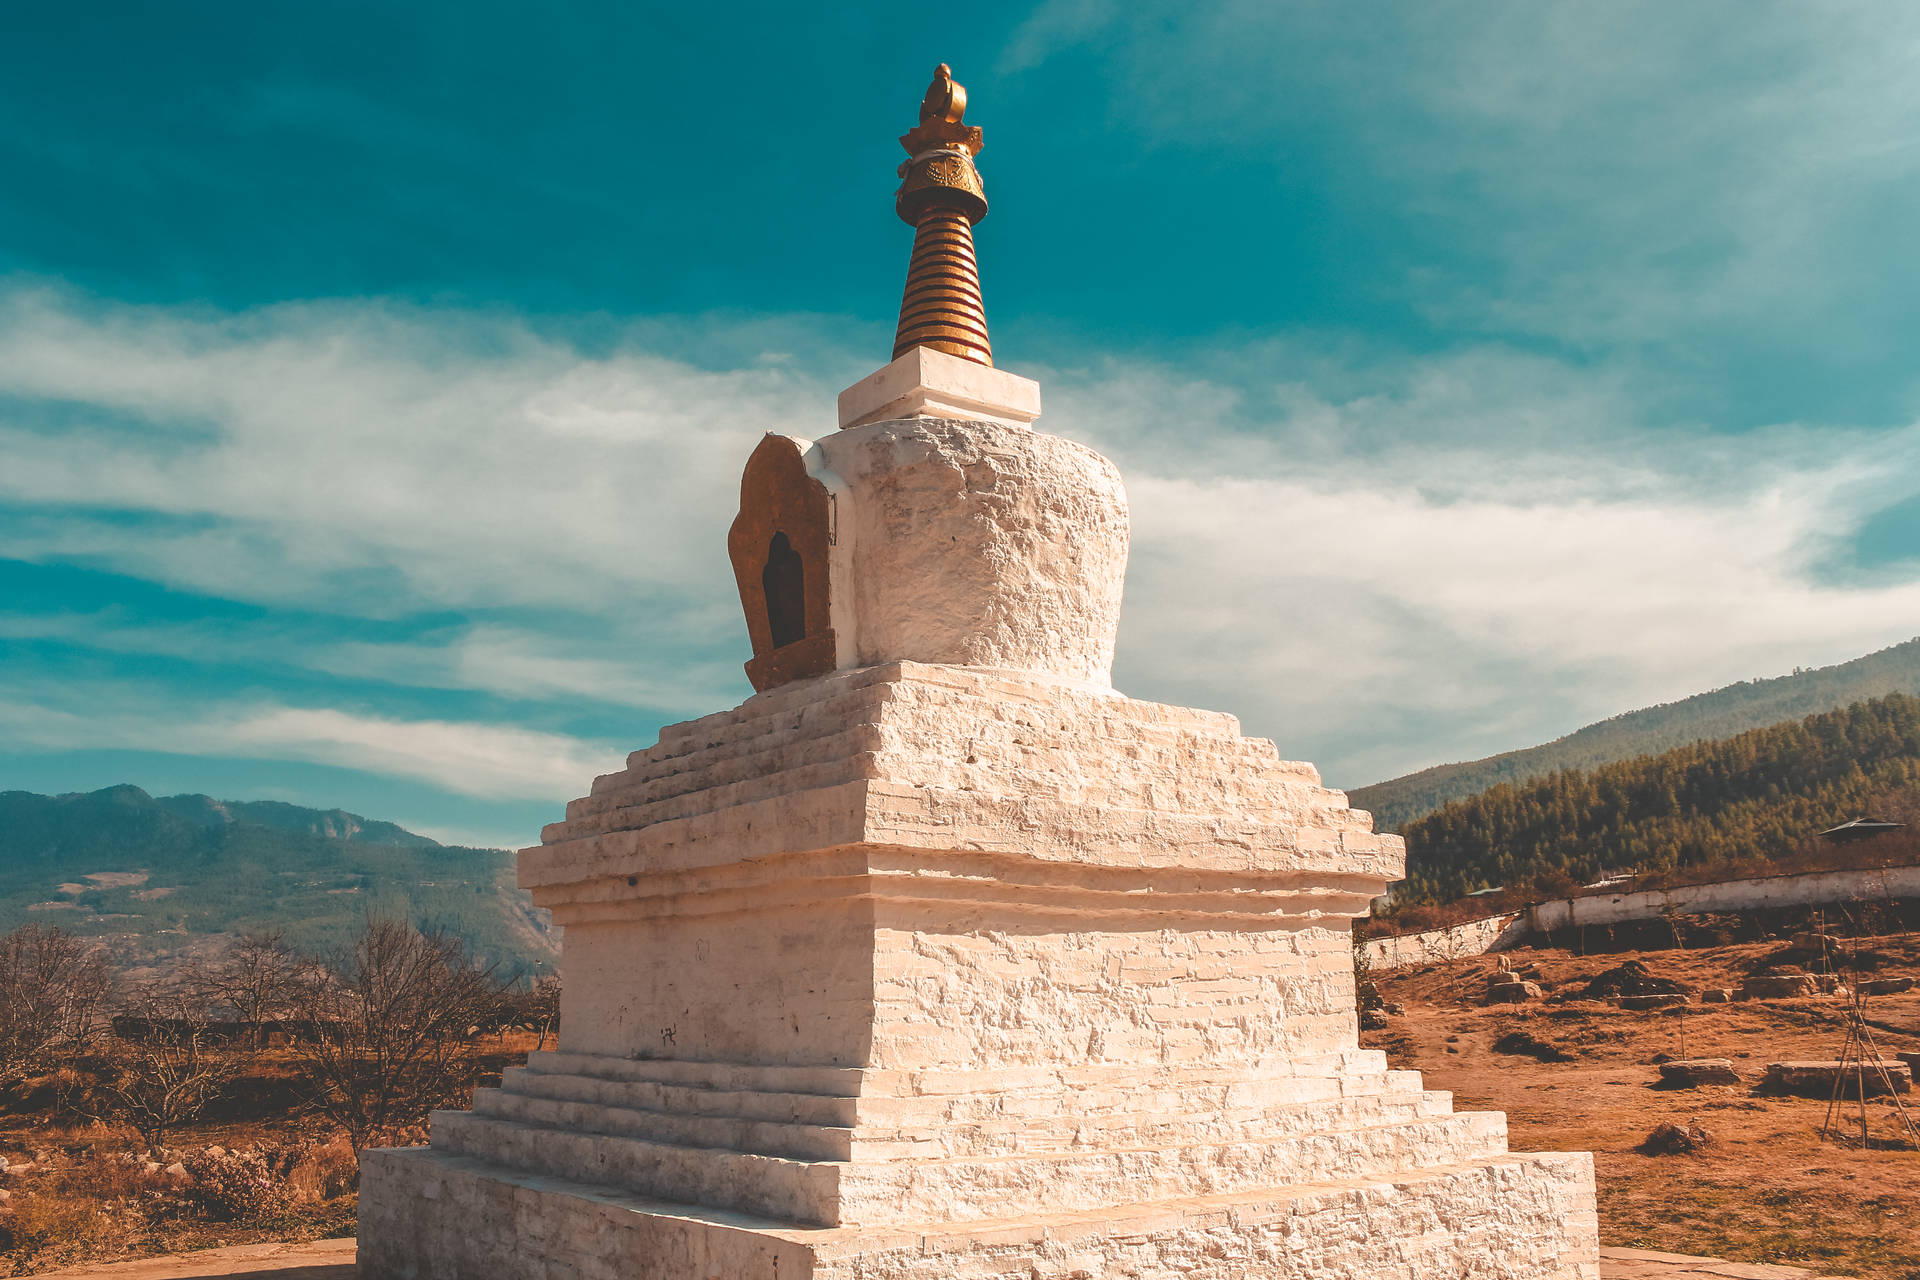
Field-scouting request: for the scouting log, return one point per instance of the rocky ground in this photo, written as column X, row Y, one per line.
column 1579, row 1073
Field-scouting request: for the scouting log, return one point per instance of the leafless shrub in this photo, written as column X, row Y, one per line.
column 537, row 1008
column 255, row 979
column 321, row 1171
column 165, row 1076
column 233, row 1186
column 387, row 1028
column 52, row 989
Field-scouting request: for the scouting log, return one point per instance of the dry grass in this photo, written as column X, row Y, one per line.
column 91, row 1197
column 1767, row 1190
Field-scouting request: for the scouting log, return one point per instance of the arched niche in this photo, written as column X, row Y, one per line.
column 779, row 546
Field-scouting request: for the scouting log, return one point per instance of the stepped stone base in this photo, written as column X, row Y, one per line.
column 430, row 1215
column 916, row 972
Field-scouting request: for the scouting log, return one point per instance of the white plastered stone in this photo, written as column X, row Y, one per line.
column 933, row 384
column 974, row 543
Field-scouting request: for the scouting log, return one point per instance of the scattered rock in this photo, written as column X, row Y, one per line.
column 1676, row 1140
column 1691, row 1073
column 1816, row 1079
column 177, row 1175
column 1717, row 995
column 1650, row 1002
column 1395, row 1008
column 1373, row 1020
column 1526, row 1044
column 1518, row 991
column 1632, row 978
column 1884, row 986
column 1777, row 986
column 5, row 1195
column 215, row 1152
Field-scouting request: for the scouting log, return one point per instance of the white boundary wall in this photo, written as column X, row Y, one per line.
column 1804, row 890
column 1496, row 933
column 1474, row 938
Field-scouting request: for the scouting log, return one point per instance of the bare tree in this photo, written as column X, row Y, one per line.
column 52, row 989
column 537, row 1008
column 168, row 1067
column 387, row 1028
column 255, row 979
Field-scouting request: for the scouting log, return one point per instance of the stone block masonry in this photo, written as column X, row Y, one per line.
column 937, row 971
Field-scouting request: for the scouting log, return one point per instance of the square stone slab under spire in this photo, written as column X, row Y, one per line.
column 925, row 383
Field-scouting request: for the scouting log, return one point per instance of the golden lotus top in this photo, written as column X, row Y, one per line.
column 941, row 197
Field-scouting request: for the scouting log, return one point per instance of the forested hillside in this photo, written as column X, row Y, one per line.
column 1751, row 704
column 1745, row 800
column 153, row 877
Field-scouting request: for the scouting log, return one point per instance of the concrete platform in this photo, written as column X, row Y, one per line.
column 333, row 1260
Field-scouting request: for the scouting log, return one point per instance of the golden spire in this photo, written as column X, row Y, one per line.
column 941, row 197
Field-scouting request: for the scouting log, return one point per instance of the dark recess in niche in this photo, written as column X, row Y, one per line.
column 784, row 581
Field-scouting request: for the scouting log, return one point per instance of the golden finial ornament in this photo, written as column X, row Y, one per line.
column 941, row 197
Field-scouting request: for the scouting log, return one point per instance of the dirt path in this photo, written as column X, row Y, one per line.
column 319, row 1260
column 333, row 1260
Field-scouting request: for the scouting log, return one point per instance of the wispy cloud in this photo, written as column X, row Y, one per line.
column 416, row 460
column 1380, row 558
column 483, row 760
column 1723, row 172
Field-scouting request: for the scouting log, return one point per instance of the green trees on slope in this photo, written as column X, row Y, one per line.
column 1721, row 713
column 1747, row 800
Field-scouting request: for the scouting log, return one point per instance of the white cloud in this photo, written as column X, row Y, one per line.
column 418, row 460
column 1377, row 558
column 1400, row 561
column 483, row 760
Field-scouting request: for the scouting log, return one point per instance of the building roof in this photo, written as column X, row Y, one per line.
column 1860, row 829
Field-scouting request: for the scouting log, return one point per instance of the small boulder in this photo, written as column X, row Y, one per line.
column 1677, row 1140
column 1515, row 992
column 1717, row 995
column 1691, row 1073
column 1649, row 1001
column 1373, row 1020
column 1884, row 986
column 1527, row 1044
column 1818, row 1079
column 1632, row 978
column 176, row 1174
column 1777, row 986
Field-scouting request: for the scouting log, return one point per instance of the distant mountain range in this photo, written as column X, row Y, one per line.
column 161, row 878
column 1722, row 713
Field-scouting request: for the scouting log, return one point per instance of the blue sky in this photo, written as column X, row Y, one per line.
column 374, row 380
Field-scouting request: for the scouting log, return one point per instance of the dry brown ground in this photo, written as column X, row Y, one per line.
column 86, row 1215
column 1768, row 1190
